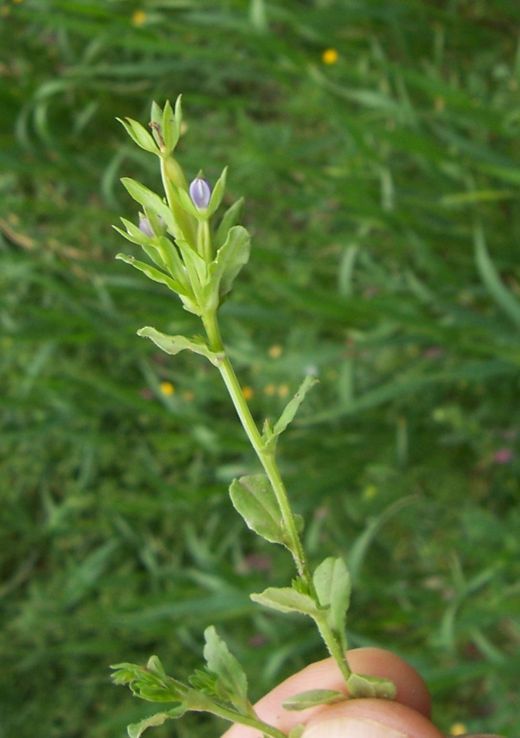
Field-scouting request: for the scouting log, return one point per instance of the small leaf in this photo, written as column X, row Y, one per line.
column 170, row 130
column 218, row 193
column 139, row 135
column 230, row 259
column 491, row 278
column 332, row 583
column 286, row 599
column 292, row 406
column 312, row 698
column 229, row 219
column 135, row 730
column 253, row 498
column 189, row 206
column 149, row 199
column 231, row 680
column 151, row 272
column 296, row 732
column 360, row 685
column 175, row 344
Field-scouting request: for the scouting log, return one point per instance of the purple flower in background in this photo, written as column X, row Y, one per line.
column 200, row 193
column 503, row 456
column 145, row 225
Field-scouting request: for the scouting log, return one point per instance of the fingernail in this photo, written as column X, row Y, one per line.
column 351, row 727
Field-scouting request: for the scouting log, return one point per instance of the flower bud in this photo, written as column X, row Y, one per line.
column 200, row 193
column 145, row 226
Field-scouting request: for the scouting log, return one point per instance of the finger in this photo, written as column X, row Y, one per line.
column 370, row 718
column 411, row 689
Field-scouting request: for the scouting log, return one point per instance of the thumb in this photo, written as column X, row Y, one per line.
column 370, row 718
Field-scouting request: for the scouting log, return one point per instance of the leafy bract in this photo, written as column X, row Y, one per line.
column 139, row 135
column 253, row 498
column 175, row 344
column 287, row 599
column 231, row 681
column 360, row 685
column 313, row 697
column 288, row 414
column 332, row 584
column 135, row 730
column 230, row 258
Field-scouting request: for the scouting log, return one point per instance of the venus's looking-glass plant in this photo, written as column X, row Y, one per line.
column 199, row 261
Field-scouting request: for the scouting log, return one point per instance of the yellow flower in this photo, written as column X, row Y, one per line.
column 248, row 392
column 270, row 390
column 330, row 56
column 283, row 390
column 138, row 18
column 458, row 729
column 167, row 388
column 275, row 351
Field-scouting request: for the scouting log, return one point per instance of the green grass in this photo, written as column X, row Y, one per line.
column 382, row 194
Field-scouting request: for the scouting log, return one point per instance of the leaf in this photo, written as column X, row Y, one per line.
column 286, row 599
column 149, row 683
column 175, row 344
column 360, row 685
column 139, row 135
column 253, row 498
column 229, row 219
column 218, row 193
column 149, row 199
column 296, row 732
column 293, row 405
column 151, row 272
column 312, row 698
column 333, row 586
column 135, row 730
column 231, row 679
column 230, row 259
column 489, row 275
column 170, row 127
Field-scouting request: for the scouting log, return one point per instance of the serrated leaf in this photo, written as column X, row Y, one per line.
column 312, row 698
column 218, row 193
column 135, row 730
column 139, row 135
column 231, row 680
column 333, row 586
column 229, row 219
column 360, row 685
column 151, row 272
column 175, row 344
column 149, row 199
column 253, row 498
column 293, row 405
column 286, row 599
column 230, row 259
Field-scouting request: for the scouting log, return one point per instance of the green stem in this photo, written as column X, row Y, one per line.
column 266, row 459
column 334, row 647
column 204, row 240
column 238, row 717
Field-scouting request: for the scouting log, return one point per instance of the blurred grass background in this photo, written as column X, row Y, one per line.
column 376, row 143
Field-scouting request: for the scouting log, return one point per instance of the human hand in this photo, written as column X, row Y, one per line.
column 406, row 717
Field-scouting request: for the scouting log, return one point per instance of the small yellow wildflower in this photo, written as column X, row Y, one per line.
column 330, row 56
column 138, row 18
column 458, row 729
column 270, row 390
column 248, row 392
column 167, row 388
column 283, row 390
column 275, row 351
column 370, row 492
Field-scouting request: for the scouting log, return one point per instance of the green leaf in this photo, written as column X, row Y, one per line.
column 170, row 128
column 296, row 731
column 156, row 113
column 135, row 730
column 231, row 680
column 151, row 272
column 360, row 685
column 218, row 193
column 312, row 698
column 149, row 199
column 229, row 219
column 333, row 586
column 139, row 135
column 287, row 599
column 293, row 405
column 230, row 259
column 149, row 683
column 189, row 206
column 253, row 498
column 175, row 344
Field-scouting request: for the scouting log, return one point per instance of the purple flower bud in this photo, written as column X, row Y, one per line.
column 145, row 226
column 200, row 193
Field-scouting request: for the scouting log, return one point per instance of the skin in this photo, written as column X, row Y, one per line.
column 406, row 717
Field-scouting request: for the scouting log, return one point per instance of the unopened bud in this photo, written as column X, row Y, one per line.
column 200, row 193
column 145, row 226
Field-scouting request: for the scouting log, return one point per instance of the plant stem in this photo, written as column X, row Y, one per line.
column 266, row 458
column 237, row 717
